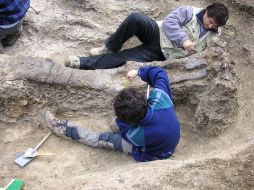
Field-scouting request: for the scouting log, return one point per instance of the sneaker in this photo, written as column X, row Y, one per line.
column 9, row 40
column 56, row 125
column 99, row 50
column 73, row 62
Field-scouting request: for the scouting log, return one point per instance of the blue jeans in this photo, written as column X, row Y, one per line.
column 136, row 24
column 107, row 140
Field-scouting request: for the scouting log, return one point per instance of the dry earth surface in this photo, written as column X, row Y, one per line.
column 54, row 29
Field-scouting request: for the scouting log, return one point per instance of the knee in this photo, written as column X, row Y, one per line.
column 106, row 136
column 72, row 132
column 135, row 16
column 114, row 138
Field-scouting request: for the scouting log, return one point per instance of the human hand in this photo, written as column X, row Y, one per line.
column 132, row 74
column 189, row 46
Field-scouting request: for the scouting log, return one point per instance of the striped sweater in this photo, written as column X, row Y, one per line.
column 157, row 134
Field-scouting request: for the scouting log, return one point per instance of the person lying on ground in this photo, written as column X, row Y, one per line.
column 11, row 19
column 184, row 31
column 148, row 128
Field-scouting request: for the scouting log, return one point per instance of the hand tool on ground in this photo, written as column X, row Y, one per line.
column 15, row 184
column 21, row 160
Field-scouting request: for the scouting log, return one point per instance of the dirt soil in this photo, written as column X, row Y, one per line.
column 58, row 28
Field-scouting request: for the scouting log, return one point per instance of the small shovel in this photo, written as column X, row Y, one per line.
column 21, row 160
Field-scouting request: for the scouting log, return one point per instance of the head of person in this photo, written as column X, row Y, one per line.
column 130, row 105
column 216, row 15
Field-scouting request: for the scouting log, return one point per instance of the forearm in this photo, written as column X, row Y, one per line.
column 174, row 22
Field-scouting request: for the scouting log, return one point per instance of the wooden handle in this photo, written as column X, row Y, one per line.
column 42, row 141
column 44, row 154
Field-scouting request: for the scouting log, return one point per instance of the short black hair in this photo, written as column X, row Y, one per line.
column 218, row 12
column 130, row 105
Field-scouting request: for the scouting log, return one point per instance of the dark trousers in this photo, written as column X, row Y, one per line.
column 6, row 32
column 136, row 24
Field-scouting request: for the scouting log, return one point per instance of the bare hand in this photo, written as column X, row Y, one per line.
column 189, row 46
column 132, row 74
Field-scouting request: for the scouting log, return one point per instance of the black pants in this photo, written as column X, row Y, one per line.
column 135, row 24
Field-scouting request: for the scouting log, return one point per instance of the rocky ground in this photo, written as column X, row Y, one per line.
column 216, row 150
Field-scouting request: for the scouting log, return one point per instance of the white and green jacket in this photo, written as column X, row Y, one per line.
column 184, row 23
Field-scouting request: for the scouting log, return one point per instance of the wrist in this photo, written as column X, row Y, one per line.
column 185, row 40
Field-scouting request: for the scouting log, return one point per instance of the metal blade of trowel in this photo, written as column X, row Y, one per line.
column 21, row 160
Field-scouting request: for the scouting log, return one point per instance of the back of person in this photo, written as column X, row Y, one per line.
column 164, row 122
column 156, row 135
column 162, row 131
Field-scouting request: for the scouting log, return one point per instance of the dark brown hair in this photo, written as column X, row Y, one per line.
column 218, row 12
column 130, row 105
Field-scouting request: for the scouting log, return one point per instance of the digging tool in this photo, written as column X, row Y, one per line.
column 147, row 91
column 127, row 84
column 15, row 184
column 21, row 160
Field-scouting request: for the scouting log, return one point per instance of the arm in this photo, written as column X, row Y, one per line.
column 154, row 76
column 173, row 23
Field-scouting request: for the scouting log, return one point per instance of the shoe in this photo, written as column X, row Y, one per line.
column 73, row 62
column 99, row 50
column 56, row 125
column 9, row 40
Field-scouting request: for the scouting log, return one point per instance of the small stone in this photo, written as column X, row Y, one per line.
column 23, row 102
column 223, row 66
